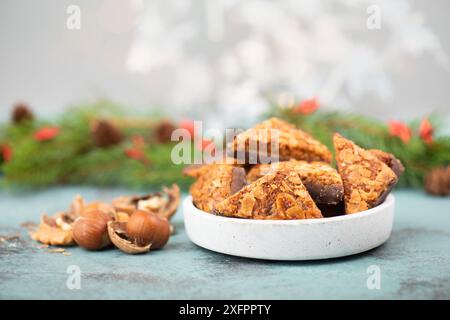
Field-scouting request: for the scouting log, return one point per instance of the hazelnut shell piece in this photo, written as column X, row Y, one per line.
column 53, row 231
column 169, row 200
column 173, row 202
column 76, row 207
column 117, row 234
column 124, row 204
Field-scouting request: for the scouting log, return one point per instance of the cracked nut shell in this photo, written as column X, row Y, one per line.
column 164, row 204
column 55, row 230
column 117, row 234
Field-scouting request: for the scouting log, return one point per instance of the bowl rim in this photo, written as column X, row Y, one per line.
column 389, row 202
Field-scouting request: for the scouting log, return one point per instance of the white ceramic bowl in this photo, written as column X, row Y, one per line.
column 290, row 239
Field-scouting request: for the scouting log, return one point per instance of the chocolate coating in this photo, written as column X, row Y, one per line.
column 325, row 194
column 238, row 180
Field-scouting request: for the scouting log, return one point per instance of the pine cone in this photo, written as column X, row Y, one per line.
column 21, row 112
column 163, row 131
column 437, row 181
column 105, row 134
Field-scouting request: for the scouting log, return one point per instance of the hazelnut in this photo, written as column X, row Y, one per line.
column 145, row 228
column 90, row 230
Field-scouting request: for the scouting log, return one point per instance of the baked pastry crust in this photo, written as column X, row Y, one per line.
column 293, row 143
column 390, row 160
column 322, row 181
column 277, row 195
column 221, row 181
column 196, row 170
column 367, row 180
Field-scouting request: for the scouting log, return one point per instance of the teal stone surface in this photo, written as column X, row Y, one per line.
column 414, row 263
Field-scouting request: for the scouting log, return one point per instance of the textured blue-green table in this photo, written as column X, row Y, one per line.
column 414, row 263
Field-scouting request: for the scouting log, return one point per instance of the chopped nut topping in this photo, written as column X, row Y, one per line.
column 292, row 143
column 367, row 180
column 277, row 195
column 217, row 185
column 322, row 181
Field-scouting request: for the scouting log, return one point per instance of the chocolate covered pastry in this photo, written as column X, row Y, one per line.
column 390, row 160
column 256, row 144
column 367, row 180
column 221, row 181
column 303, row 185
column 277, row 195
column 322, row 181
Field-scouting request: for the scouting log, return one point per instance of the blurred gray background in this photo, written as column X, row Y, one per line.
column 191, row 58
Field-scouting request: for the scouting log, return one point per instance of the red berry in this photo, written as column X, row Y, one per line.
column 46, row 133
column 426, row 131
column 400, row 130
column 307, row 106
column 6, row 153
